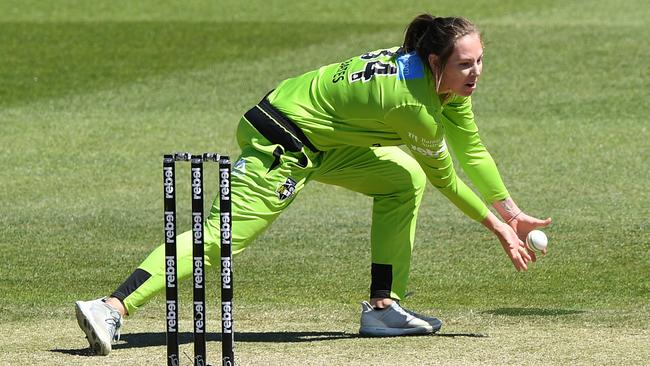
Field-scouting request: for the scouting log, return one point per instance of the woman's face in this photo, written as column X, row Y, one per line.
column 463, row 68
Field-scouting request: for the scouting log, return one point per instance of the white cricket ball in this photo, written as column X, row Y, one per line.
column 536, row 240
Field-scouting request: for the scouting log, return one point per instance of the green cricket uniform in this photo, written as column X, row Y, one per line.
column 342, row 124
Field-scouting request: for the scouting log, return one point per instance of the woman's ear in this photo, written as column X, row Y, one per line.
column 433, row 63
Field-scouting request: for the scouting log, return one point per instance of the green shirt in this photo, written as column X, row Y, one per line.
column 385, row 98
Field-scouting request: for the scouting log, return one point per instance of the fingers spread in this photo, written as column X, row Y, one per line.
column 523, row 264
column 525, row 254
column 519, row 262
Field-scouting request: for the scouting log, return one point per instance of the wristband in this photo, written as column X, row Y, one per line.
column 514, row 217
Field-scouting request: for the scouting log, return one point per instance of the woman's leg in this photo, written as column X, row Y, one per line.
column 259, row 194
column 396, row 182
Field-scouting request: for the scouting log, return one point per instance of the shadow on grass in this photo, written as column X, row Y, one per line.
column 155, row 339
column 159, row 339
column 532, row 312
column 465, row 335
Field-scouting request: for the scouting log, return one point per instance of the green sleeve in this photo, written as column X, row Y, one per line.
column 463, row 138
column 422, row 135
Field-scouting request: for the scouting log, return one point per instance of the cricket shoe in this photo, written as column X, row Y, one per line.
column 435, row 323
column 101, row 323
column 394, row 321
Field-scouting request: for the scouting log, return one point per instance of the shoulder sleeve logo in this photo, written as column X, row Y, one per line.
column 410, row 67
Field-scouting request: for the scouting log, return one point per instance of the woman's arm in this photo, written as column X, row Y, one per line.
column 464, row 140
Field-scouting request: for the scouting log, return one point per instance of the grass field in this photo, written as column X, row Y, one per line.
column 93, row 93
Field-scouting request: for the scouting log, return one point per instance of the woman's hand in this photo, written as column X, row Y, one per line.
column 524, row 224
column 512, row 245
column 520, row 222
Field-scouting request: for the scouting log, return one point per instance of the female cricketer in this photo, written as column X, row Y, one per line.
column 343, row 124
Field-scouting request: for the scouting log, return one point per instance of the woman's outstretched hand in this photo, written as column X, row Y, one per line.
column 520, row 222
column 524, row 224
column 511, row 243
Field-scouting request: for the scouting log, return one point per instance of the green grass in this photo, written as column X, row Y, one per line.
column 93, row 93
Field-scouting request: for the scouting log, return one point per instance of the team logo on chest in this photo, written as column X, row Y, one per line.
column 286, row 189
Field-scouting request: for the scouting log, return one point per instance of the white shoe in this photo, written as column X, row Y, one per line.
column 392, row 321
column 101, row 323
column 435, row 323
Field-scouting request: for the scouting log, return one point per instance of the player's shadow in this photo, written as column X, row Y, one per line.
column 532, row 312
column 154, row 339
column 136, row 340
column 159, row 339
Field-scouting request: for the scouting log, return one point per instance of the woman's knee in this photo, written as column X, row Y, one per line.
column 418, row 178
column 411, row 177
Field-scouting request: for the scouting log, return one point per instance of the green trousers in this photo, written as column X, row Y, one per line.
column 266, row 179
